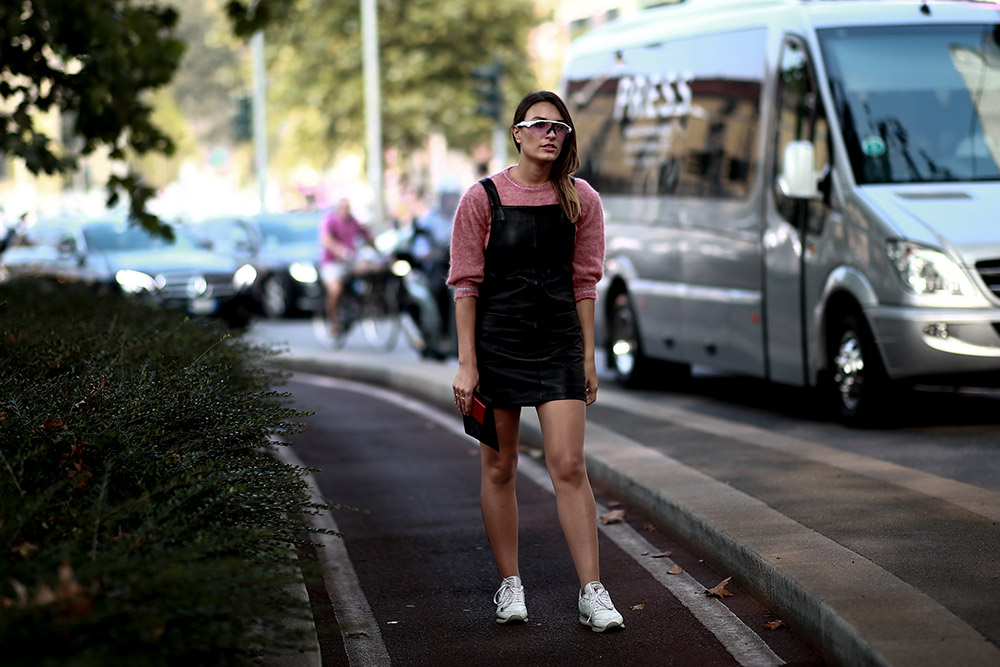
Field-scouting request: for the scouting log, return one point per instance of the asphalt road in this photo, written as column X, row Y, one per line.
column 425, row 574
column 897, row 496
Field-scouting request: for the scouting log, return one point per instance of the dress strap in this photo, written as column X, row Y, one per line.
column 496, row 208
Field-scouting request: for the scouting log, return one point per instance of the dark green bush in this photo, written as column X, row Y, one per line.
column 143, row 518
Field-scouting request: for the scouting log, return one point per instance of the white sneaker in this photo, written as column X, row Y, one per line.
column 597, row 610
column 509, row 600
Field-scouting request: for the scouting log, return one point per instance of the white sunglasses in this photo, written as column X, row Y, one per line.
column 542, row 127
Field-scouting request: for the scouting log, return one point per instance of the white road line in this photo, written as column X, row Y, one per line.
column 742, row 643
column 739, row 640
column 362, row 637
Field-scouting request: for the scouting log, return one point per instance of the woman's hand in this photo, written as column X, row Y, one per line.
column 590, row 372
column 466, row 380
column 467, row 377
column 585, row 311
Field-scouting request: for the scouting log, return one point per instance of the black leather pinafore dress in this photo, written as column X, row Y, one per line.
column 528, row 341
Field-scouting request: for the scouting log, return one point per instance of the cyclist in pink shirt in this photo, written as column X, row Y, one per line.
column 339, row 234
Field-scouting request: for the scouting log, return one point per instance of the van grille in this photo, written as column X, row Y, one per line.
column 990, row 271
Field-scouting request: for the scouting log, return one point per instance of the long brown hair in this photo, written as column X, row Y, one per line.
column 567, row 163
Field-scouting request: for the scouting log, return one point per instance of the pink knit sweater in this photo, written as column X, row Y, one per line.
column 471, row 233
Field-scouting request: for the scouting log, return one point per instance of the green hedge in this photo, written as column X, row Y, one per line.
column 143, row 519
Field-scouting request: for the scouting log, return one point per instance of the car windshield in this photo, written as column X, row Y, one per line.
column 917, row 103
column 122, row 237
column 286, row 232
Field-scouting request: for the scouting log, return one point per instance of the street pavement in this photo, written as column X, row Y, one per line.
column 411, row 581
column 877, row 563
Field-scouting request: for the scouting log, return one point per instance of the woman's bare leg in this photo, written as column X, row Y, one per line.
column 563, row 424
column 497, row 496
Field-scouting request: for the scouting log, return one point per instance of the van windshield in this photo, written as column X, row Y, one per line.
column 917, row 103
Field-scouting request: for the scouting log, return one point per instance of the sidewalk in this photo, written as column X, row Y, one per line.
column 924, row 536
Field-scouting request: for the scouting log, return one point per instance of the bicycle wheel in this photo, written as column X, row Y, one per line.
column 346, row 314
column 380, row 317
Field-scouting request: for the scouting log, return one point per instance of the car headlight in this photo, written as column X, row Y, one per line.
column 927, row 271
column 303, row 272
column 134, row 282
column 400, row 268
column 244, row 276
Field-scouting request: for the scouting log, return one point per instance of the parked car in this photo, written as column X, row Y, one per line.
column 284, row 250
column 114, row 254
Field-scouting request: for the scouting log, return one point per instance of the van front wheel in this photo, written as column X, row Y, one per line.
column 632, row 368
column 858, row 383
column 623, row 349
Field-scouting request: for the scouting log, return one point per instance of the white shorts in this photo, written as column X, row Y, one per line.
column 331, row 271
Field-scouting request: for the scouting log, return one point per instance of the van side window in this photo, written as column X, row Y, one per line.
column 676, row 118
column 801, row 117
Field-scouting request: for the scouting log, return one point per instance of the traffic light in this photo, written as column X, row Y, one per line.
column 489, row 99
column 242, row 127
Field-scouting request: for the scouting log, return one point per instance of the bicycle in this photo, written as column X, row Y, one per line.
column 372, row 298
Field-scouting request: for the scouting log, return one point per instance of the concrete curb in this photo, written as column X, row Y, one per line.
column 856, row 612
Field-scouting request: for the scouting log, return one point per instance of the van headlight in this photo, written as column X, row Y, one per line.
column 244, row 276
column 927, row 271
column 133, row 282
column 303, row 272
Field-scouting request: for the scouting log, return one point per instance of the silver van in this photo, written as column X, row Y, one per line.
column 807, row 192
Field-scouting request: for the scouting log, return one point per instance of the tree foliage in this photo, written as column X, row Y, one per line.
column 212, row 72
column 428, row 50
column 93, row 61
column 96, row 62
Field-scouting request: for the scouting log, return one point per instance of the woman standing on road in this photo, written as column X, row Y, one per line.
column 527, row 251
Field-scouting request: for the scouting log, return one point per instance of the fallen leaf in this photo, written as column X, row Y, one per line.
column 44, row 596
column 648, row 527
column 51, row 426
column 68, row 585
column 533, row 452
column 638, row 607
column 676, row 569
column 774, row 625
column 614, row 516
column 23, row 549
column 358, row 635
column 720, row 589
column 21, row 591
column 663, row 554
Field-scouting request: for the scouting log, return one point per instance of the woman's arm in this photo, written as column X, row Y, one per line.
column 467, row 377
column 585, row 311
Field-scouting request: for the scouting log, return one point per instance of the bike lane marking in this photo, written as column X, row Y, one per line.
column 359, row 629
column 736, row 637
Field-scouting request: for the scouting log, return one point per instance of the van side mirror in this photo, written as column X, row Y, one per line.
column 797, row 179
